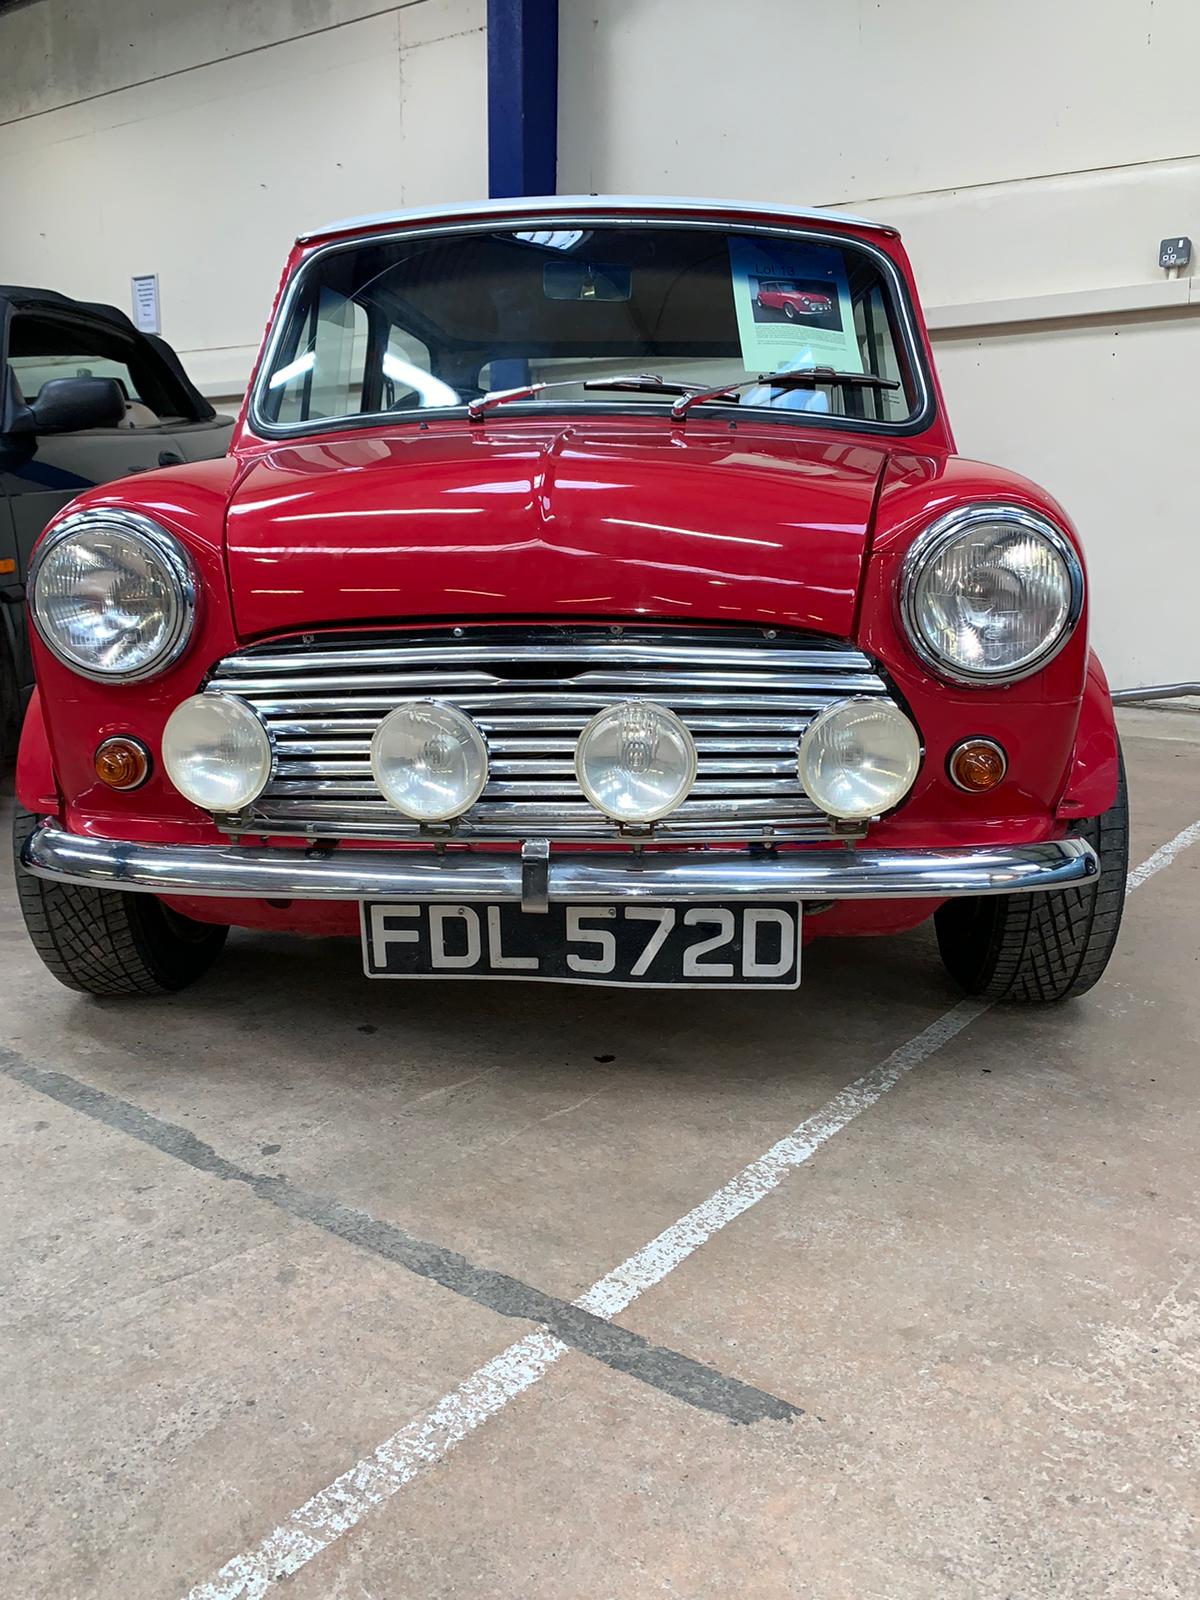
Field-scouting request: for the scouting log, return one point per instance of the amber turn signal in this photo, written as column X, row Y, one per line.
column 977, row 765
column 122, row 762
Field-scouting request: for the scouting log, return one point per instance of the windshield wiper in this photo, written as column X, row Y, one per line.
column 803, row 378
column 649, row 383
column 632, row 382
column 689, row 394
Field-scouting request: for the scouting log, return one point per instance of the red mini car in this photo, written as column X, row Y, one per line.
column 779, row 294
column 528, row 632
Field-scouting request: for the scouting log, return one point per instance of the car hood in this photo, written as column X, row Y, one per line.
column 636, row 517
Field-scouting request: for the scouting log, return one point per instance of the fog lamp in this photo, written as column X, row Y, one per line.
column 430, row 760
column 217, row 752
column 977, row 765
column 122, row 762
column 635, row 761
column 858, row 758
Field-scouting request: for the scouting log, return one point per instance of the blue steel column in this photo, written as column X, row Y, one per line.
column 522, row 44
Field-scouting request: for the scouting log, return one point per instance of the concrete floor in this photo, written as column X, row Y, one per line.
column 250, row 1233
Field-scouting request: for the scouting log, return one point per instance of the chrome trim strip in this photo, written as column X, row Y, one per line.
column 553, row 205
column 672, row 648
column 932, row 540
column 709, row 875
column 411, row 684
column 924, row 407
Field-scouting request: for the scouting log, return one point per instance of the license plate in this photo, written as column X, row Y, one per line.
column 754, row 946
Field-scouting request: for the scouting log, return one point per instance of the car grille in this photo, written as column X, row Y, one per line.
column 746, row 694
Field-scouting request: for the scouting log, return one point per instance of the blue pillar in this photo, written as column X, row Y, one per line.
column 522, row 44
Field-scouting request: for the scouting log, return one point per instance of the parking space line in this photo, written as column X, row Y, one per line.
column 1163, row 856
column 338, row 1509
column 650, row 1265
column 341, row 1506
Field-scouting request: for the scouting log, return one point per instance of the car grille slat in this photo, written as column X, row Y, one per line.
column 616, row 645
column 541, row 750
column 565, row 698
column 530, row 769
column 458, row 685
column 746, row 694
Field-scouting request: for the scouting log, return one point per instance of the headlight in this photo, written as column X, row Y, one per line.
column 858, row 758
column 989, row 593
column 635, row 761
column 112, row 594
column 430, row 760
column 217, row 753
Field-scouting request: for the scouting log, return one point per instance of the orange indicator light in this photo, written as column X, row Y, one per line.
column 122, row 762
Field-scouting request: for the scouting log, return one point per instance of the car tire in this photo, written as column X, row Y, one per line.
column 1037, row 949
column 789, row 311
column 104, row 942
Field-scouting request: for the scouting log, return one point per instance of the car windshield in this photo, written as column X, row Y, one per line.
column 425, row 322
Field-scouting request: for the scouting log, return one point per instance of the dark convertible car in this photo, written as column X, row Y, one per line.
column 85, row 398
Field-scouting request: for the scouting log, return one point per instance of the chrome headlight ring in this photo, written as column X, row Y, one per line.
column 161, row 546
column 937, row 538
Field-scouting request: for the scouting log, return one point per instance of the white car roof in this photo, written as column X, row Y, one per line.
column 577, row 205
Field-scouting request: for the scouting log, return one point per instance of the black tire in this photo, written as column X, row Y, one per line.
column 789, row 311
column 101, row 941
column 1036, row 949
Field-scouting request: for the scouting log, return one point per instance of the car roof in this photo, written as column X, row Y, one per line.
column 582, row 205
column 22, row 295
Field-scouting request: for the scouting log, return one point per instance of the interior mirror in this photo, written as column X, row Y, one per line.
column 586, row 280
column 66, row 405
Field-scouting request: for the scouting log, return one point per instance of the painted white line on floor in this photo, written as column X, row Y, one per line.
column 340, row 1507
column 650, row 1265
column 337, row 1509
column 1163, row 856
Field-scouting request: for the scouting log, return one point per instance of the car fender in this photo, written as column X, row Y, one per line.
column 36, row 788
column 1091, row 785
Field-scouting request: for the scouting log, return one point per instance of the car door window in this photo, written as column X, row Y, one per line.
column 325, row 379
column 41, row 348
column 33, row 371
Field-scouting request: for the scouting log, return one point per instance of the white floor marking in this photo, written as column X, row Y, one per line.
column 1163, row 856
column 340, row 1507
column 337, row 1509
column 650, row 1265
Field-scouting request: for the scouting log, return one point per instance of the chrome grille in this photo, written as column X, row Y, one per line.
column 746, row 695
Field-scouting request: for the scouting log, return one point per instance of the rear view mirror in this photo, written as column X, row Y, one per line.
column 67, row 405
column 586, row 280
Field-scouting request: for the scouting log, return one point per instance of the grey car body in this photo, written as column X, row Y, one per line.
column 46, row 336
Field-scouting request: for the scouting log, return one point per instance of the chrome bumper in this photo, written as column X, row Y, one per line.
column 534, row 878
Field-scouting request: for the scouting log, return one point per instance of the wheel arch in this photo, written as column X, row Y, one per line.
column 1091, row 784
column 37, row 789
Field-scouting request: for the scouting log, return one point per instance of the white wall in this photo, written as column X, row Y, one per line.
column 1032, row 153
column 198, row 140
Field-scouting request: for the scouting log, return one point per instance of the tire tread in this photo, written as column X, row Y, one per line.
column 1038, row 949
column 100, row 941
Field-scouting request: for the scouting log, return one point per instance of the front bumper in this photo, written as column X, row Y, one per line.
column 534, row 876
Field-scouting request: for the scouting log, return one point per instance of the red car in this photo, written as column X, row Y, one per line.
column 780, row 294
column 526, row 633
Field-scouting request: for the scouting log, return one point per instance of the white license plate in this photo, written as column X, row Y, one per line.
column 750, row 946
